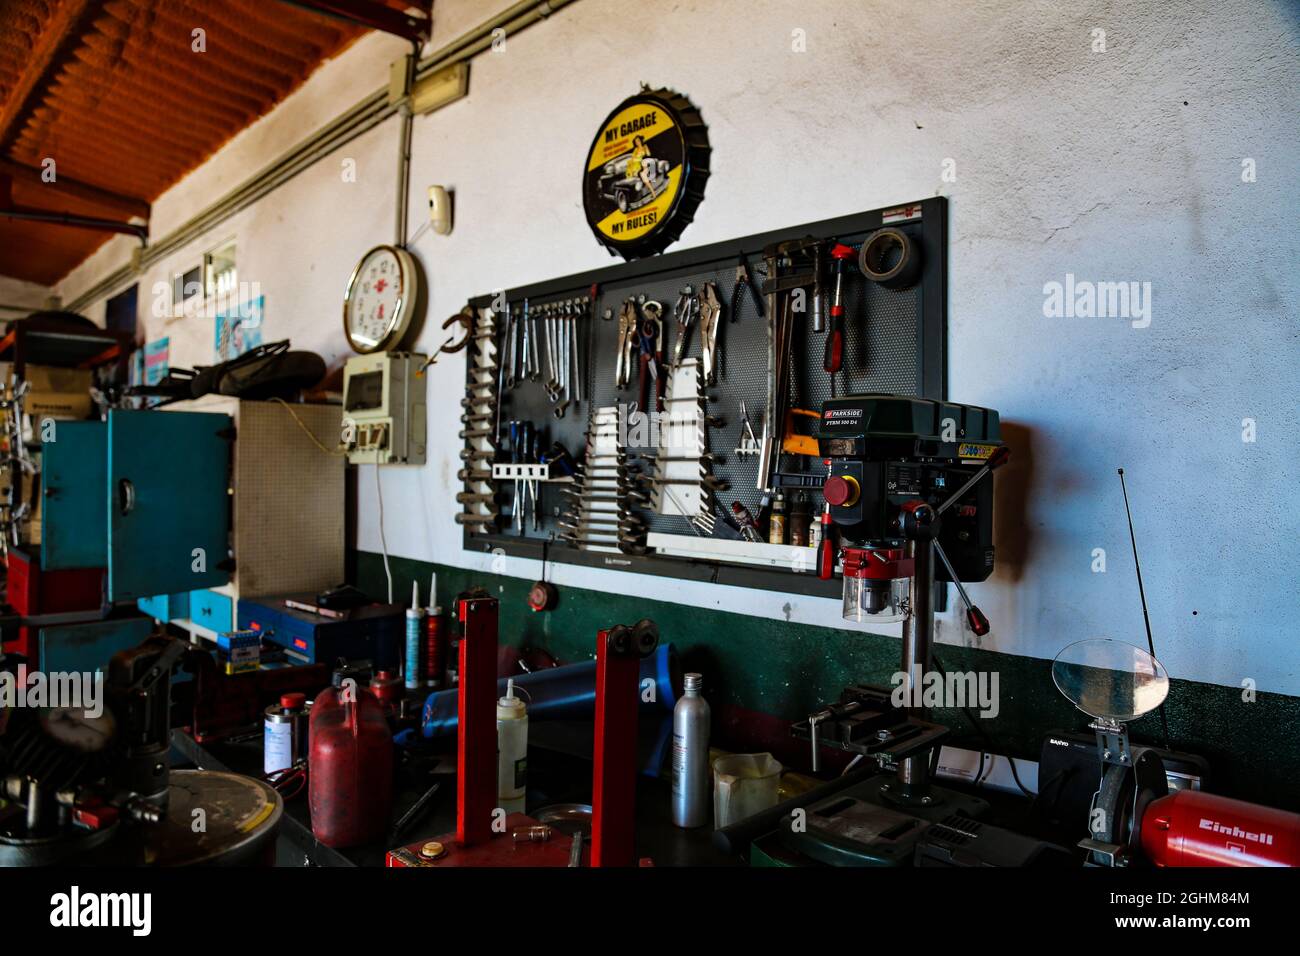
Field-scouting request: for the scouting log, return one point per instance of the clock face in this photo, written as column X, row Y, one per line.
column 378, row 302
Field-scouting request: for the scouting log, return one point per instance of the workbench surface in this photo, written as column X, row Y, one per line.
column 553, row 777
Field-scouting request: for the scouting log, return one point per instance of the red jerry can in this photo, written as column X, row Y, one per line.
column 349, row 769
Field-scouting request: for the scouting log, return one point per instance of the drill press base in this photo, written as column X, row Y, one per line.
column 866, row 825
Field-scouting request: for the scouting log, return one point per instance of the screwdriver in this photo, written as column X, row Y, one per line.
column 826, row 553
column 833, row 360
column 515, row 459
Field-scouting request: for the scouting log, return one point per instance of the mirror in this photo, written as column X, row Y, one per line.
column 1110, row 679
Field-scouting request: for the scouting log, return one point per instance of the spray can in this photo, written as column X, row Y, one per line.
column 435, row 640
column 414, row 639
column 691, row 776
column 284, row 733
column 512, row 751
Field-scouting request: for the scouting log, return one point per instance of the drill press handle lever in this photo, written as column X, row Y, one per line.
column 974, row 616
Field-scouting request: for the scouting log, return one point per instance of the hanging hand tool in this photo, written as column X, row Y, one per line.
column 748, row 440
column 710, row 310
column 535, row 353
column 507, row 376
column 743, row 282
column 627, row 326
column 516, row 458
column 654, row 312
column 833, row 360
column 582, row 310
column 465, row 319
column 535, row 457
column 646, row 335
column 685, row 313
column 819, row 288
column 559, row 458
column 529, row 345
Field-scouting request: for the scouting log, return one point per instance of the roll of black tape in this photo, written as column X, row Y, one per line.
column 890, row 258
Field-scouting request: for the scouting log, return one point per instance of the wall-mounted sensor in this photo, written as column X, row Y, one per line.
column 440, row 210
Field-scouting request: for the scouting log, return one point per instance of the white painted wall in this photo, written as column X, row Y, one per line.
column 20, row 294
column 1117, row 165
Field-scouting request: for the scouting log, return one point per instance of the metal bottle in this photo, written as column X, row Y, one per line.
column 692, row 780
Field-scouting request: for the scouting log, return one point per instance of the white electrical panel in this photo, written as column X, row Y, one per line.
column 384, row 409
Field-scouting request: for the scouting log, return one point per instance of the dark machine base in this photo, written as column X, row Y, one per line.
column 867, row 826
column 861, row 826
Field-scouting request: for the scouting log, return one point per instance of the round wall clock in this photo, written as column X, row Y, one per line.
column 645, row 173
column 381, row 299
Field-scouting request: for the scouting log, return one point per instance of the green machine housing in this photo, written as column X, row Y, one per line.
column 893, row 449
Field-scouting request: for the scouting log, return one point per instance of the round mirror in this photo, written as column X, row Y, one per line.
column 1110, row 679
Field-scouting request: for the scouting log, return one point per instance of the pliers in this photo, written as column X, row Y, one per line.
column 743, row 281
column 709, row 310
column 685, row 312
column 627, row 336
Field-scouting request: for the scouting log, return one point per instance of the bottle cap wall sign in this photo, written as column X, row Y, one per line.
column 645, row 173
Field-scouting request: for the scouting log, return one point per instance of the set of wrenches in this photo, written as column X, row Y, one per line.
column 603, row 501
column 543, row 344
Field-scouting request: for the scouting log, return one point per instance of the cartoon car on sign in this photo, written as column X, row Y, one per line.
column 631, row 189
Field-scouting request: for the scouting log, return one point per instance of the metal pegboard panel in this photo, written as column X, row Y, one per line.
column 893, row 343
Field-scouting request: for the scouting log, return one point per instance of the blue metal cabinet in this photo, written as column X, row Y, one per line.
column 74, row 511
column 212, row 610
column 83, row 648
column 165, row 607
column 168, row 506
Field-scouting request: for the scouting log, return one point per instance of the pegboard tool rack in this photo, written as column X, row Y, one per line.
column 894, row 342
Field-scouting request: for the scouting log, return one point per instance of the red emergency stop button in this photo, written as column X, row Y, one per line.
column 841, row 491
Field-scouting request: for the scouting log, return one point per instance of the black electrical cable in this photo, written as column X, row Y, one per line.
column 1146, row 619
column 985, row 734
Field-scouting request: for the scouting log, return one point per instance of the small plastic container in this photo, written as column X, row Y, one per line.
column 512, row 751
column 743, row 784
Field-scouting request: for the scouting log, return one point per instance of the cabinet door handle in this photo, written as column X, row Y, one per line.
column 126, row 495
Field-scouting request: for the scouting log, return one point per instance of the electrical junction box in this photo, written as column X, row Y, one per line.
column 384, row 405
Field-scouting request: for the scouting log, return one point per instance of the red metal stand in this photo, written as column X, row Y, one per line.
column 613, row 786
column 476, row 761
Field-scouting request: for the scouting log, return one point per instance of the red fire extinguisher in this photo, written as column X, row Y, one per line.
column 350, row 767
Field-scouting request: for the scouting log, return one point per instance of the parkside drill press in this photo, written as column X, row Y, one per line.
column 910, row 493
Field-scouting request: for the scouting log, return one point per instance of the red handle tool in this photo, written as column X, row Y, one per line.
column 833, row 360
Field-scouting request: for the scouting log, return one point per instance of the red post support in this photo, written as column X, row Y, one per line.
column 613, row 787
column 476, row 758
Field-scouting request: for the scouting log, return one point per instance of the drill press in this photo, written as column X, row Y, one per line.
column 910, row 493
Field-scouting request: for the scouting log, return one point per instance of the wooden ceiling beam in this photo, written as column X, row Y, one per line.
column 105, row 199
column 59, row 37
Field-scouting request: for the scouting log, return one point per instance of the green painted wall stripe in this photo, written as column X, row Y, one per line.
column 787, row 669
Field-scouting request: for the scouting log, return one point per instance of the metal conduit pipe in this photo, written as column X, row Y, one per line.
column 360, row 119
